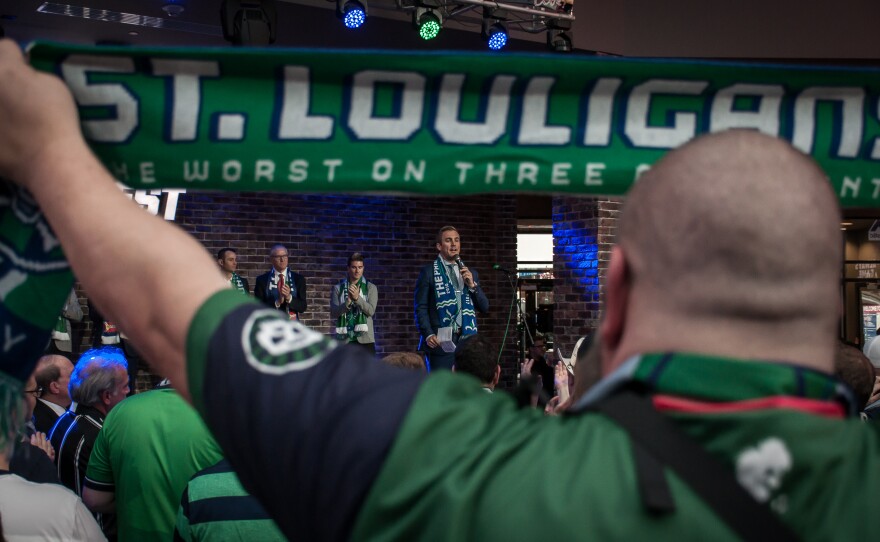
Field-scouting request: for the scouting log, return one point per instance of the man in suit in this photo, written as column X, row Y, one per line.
column 227, row 259
column 53, row 377
column 448, row 294
column 281, row 288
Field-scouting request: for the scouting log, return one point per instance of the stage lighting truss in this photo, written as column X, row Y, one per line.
column 353, row 13
column 496, row 19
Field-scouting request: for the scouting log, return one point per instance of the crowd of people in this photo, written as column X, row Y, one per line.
column 718, row 414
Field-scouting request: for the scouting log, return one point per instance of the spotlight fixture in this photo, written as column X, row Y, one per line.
column 249, row 22
column 497, row 36
column 558, row 39
column 352, row 12
column 428, row 22
column 172, row 9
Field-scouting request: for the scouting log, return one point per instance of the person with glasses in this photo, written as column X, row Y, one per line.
column 33, row 508
column 32, row 454
column 281, row 288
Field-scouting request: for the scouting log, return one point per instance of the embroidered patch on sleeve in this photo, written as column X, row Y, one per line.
column 275, row 345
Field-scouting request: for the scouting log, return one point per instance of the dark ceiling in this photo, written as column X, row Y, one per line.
column 757, row 29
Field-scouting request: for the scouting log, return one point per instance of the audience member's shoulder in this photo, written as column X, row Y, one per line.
column 145, row 400
column 49, row 494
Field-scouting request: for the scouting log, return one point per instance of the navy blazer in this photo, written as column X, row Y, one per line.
column 44, row 417
column 427, row 317
column 297, row 304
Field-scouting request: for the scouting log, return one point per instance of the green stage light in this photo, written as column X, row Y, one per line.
column 429, row 25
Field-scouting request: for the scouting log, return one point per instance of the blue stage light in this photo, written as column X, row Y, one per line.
column 352, row 12
column 354, row 17
column 497, row 37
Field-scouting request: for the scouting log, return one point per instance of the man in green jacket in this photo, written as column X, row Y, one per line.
column 721, row 300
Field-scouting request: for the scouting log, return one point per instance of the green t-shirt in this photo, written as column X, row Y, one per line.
column 150, row 446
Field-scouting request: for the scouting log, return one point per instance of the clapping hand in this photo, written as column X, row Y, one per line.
column 39, row 440
column 353, row 292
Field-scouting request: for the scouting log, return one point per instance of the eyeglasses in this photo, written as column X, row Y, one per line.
column 37, row 392
column 279, row 257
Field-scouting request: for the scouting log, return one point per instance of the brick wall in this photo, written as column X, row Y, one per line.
column 396, row 234
column 584, row 230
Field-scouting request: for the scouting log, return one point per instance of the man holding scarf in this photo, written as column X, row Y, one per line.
column 227, row 259
column 281, row 288
column 448, row 294
column 353, row 303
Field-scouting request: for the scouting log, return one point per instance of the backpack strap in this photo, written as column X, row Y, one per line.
column 657, row 437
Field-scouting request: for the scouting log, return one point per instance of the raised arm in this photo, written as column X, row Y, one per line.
column 127, row 260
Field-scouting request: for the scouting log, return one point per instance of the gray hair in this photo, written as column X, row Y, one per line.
column 95, row 373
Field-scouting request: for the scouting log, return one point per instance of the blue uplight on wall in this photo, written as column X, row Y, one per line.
column 580, row 252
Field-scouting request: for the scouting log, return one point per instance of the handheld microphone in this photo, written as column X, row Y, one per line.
column 497, row 267
column 459, row 263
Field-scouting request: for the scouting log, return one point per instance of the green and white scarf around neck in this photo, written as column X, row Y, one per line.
column 448, row 304
column 236, row 283
column 353, row 322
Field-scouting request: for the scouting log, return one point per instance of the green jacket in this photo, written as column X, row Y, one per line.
column 483, row 470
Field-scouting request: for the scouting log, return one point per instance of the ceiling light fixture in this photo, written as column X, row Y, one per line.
column 352, row 12
column 173, row 10
column 558, row 35
column 497, row 35
column 429, row 23
column 559, row 41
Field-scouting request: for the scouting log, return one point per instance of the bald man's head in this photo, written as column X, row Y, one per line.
column 735, row 227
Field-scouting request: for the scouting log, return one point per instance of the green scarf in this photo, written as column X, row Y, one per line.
column 35, row 279
column 236, row 283
column 353, row 322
